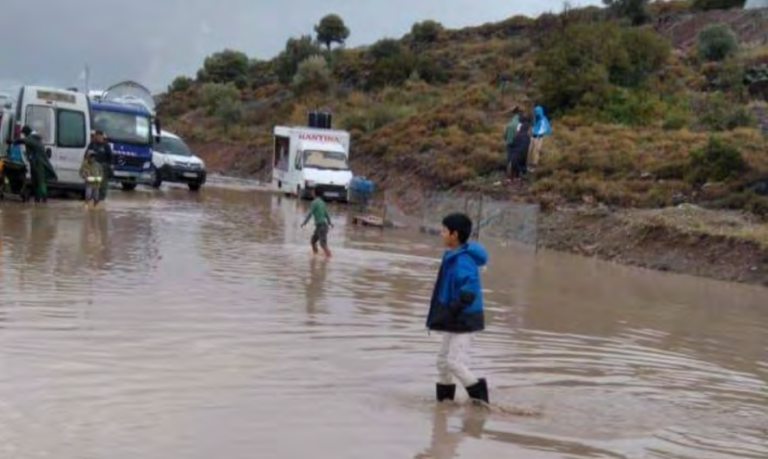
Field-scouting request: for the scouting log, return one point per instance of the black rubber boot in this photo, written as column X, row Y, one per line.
column 445, row 391
column 479, row 391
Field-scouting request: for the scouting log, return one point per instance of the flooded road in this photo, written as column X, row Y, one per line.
column 175, row 325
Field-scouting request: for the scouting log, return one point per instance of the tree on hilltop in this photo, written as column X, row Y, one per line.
column 331, row 30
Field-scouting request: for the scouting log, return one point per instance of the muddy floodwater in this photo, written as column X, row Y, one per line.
column 194, row 326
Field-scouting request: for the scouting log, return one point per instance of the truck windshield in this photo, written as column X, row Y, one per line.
column 328, row 160
column 123, row 127
column 172, row 146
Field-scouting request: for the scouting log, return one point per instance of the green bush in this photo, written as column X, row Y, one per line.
column 674, row 121
column 180, row 84
column 583, row 64
column 717, row 161
column 716, row 112
column 313, row 74
column 261, row 73
column 226, row 66
column 706, row 5
column 386, row 48
column 229, row 112
column 376, row 117
column 393, row 64
column 296, row 51
column 223, row 102
column 633, row 11
column 426, row 32
column 717, row 42
column 631, row 108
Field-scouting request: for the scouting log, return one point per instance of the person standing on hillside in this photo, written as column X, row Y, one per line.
column 319, row 211
column 510, row 131
column 103, row 155
column 517, row 154
column 541, row 129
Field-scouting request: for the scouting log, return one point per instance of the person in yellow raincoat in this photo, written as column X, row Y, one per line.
column 93, row 174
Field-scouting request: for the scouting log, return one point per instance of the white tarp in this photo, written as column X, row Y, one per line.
column 753, row 4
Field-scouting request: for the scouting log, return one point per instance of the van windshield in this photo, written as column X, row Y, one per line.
column 172, row 146
column 123, row 127
column 328, row 160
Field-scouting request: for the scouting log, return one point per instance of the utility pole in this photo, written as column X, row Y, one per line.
column 87, row 78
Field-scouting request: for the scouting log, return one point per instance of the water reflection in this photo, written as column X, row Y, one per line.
column 314, row 290
column 445, row 441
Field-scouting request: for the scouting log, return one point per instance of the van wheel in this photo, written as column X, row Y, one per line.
column 128, row 186
column 194, row 186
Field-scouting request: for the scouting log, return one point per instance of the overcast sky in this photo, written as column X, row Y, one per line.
column 153, row 41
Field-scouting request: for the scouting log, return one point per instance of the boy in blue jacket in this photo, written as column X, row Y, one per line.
column 456, row 308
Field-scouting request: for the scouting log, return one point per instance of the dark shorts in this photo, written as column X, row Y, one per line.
column 92, row 192
column 320, row 234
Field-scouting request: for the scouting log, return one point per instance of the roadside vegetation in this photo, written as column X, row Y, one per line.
column 644, row 115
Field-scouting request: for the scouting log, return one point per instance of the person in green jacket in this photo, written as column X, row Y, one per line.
column 510, row 131
column 41, row 170
column 319, row 212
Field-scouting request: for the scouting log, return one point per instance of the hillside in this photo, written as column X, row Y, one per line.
column 644, row 117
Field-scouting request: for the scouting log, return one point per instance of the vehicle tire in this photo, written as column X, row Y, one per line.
column 128, row 186
column 157, row 180
column 194, row 186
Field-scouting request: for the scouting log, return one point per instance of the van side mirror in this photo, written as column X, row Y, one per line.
column 158, row 128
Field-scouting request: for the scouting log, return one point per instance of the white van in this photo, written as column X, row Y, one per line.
column 173, row 161
column 62, row 119
column 306, row 158
column 6, row 128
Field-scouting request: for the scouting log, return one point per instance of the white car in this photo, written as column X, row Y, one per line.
column 173, row 161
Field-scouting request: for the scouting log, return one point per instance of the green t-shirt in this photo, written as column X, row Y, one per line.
column 510, row 131
column 319, row 211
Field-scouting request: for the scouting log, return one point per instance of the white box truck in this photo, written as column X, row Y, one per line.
column 307, row 158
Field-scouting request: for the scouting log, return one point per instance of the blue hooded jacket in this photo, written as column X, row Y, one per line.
column 541, row 126
column 457, row 300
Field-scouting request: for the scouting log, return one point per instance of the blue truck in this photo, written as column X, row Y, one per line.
column 128, row 128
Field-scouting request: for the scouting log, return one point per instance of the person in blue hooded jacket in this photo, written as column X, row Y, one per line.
column 541, row 129
column 456, row 308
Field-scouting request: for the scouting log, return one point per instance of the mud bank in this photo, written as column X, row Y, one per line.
column 686, row 239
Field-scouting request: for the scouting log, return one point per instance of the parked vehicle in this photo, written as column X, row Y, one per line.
column 314, row 157
column 6, row 126
column 62, row 119
column 174, row 161
column 125, row 113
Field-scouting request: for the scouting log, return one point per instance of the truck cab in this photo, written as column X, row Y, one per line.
column 125, row 112
column 128, row 129
column 311, row 158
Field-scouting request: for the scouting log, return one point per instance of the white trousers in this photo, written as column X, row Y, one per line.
column 453, row 359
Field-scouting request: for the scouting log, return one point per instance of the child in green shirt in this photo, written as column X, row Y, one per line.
column 319, row 211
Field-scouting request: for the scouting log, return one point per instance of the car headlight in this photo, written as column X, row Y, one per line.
column 147, row 165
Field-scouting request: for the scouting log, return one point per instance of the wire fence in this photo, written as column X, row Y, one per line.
column 493, row 219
